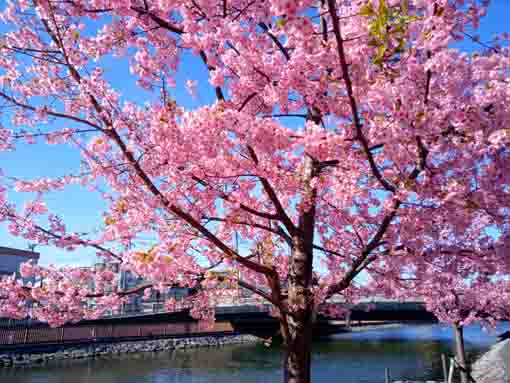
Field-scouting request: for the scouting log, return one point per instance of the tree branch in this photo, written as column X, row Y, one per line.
column 277, row 42
column 282, row 215
column 49, row 112
column 158, row 20
column 352, row 101
column 177, row 211
column 243, row 207
column 365, row 258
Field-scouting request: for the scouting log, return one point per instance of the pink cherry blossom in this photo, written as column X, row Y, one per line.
column 335, row 161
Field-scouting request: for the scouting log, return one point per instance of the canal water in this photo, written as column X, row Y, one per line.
column 412, row 352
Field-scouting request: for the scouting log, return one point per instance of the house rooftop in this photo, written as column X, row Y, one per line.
column 23, row 253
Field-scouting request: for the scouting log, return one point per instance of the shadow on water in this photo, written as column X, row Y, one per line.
column 409, row 352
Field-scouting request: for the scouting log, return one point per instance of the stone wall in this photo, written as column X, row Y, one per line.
column 27, row 358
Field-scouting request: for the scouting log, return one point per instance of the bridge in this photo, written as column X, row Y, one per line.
column 250, row 318
column 244, row 319
column 257, row 321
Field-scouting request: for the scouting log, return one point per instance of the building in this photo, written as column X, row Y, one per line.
column 228, row 291
column 11, row 259
column 127, row 280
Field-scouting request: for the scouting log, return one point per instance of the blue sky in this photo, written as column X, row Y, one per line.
column 81, row 208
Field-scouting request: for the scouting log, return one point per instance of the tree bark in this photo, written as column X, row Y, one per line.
column 460, row 353
column 298, row 322
column 297, row 353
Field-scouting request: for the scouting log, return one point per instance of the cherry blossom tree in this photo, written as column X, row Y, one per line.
column 337, row 127
column 481, row 301
column 459, row 290
column 461, row 286
column 462, row 275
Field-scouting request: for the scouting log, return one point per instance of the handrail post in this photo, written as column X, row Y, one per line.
column 452, row 368
column 445, row 369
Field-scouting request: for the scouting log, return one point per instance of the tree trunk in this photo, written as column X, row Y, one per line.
column 298, row 324
column 297, row 354
column 460, row 353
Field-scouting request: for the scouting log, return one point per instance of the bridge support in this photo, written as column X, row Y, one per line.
column 348, row 321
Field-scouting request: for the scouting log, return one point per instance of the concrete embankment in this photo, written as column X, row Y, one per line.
column 30, row 357
column 417, row 381
column 491, row 367
column 377, row 326
column 494, row 365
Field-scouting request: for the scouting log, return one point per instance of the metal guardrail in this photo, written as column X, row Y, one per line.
column 98, row 333
column 10, row 323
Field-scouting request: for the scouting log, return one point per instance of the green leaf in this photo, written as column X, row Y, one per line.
column 404, row 7
column 408, row 19
column 280, row 23
column 375, row 30
column 381, row 50
column 383, row 12
column 367, row 10
column 401, row 46
column 380, row 54
column 399, row 28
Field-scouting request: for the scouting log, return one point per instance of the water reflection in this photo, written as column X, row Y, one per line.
column 409, row 352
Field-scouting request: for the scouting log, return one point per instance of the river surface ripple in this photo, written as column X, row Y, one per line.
column 411, row 352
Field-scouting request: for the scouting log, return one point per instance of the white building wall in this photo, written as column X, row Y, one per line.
column 11, row 259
